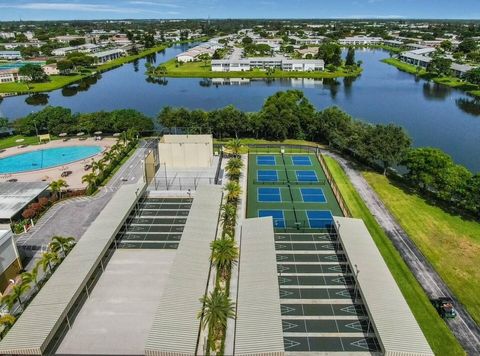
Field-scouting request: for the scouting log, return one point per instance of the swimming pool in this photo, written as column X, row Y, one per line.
column 46, row 158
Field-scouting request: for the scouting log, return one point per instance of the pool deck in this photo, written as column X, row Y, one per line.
column 74, row 181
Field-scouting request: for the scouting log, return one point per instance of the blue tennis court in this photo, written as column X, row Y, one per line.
column 277, row 215
column 267, row 176
column 301, row 161
column 313, row 195
column 266, row 160
column 320, row 219
column 306, row 176
column 269, row 195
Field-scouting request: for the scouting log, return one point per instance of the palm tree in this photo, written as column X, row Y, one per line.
column 98, row 166
column 18, row 290
column 57, row 186
column 31, row 277
column 124, row 137
column 233, row 191
column 228, row 217
column 235, row 146
column 90, row 179
column 108, row 156
column 224, row 255
column 48, row 261
column 217, row 309
column 61, row 245
column 7, row 322
column 234, row 163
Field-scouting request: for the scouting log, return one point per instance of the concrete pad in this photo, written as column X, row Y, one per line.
column 117, row 317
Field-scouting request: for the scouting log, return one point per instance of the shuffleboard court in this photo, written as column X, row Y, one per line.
column 340, row 310
column 331, row 344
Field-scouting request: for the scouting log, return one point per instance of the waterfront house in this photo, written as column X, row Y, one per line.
column 360, row 41
column 106, row 56
column 10, row 55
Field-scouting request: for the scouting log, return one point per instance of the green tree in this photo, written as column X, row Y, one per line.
column 31, row 277
column 65, row 66
column 217, row 309
column 446, row 45
column 228, row 217
column 98, row 166
column 62, row 245
column 57, row 186
column 389, row 144
column 224, row 255
column 48, row 260
column 91, row 181
column 235, row 146
column 440, row 66
column 4, row 123
column 473, row 76
column 331, row 53
column 34, row 72
column 247, row 40
column 233, row 191
column 16, row 294
column 350, row 59
column 7, row 321
column 467, row 45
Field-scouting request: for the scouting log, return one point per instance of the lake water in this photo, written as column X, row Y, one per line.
column 433, row 115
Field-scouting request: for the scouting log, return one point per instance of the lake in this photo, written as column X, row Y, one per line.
column 433, row 115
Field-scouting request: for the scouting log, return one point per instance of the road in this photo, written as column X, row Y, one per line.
column 463, row 326
column 72, row 217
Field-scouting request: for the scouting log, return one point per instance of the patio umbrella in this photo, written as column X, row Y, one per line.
column 63, row 134
column 80, row 133
column 20, row 140
column 97, row 132
column 117, row 134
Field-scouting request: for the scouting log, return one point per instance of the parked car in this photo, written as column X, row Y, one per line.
column 66, row 173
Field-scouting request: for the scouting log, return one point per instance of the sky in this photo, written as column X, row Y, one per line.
column 155, row 9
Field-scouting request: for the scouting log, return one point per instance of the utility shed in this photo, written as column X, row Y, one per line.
column 175, row 329
column 398, row 332
column 186, row 151
column 15, row 196
column 258, row 329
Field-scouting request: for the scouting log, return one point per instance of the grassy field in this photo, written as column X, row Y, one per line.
column 439, row 337
column 127, row 59
column 8, row 142
column 450, row 242
column 452, row 82
column 202, row 70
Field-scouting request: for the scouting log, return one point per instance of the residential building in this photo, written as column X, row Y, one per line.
column 312, row 51
column 16, row 196
column 393, row 43
column 68, row 38
column 51, row 69
column 106, row 56
column 315, row 40
column 246, row 64
column 10, row 55
column 192, row 54
column 360, row 41
column 7, row 35
column 10, row 263
column 13, row 45
column 86, row 48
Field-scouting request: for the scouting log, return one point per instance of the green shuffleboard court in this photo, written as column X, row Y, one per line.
column 292, row 189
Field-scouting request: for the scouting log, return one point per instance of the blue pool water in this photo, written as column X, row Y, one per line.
column 12, row 65
column 50, row 157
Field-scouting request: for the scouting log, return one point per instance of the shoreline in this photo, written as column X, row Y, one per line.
column 452, row 82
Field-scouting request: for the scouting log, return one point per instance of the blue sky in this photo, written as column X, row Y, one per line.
column 119, row 9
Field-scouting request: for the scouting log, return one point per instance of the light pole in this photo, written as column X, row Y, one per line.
column 357, row 272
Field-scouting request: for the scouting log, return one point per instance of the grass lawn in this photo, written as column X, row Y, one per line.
column 450, row 242
column 59, row 81
column 452, row 82
column 202, row 70
column 9, row 141
column 436, row 331
column 56, row 82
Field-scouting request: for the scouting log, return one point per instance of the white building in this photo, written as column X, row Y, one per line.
column 10, row 55
column 68, row 38
column 10, row 264
column 314, row 40
column 106, row 56
column 246, row 64
column 186, row 151
column 7, row 35
column 51, row 69
column 11, row 76
column 360, row 41
column 192, row 54
column 86, row 48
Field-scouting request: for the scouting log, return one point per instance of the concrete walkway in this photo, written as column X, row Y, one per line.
column 463, row 326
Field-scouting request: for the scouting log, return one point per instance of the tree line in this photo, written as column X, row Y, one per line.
column 290, row 115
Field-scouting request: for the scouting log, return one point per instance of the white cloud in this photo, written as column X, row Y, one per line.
column 153, row 3
column 59, row 6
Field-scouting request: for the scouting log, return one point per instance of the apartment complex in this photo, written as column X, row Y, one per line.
column 246, row 64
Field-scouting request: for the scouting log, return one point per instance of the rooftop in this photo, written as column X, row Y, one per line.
column 16, row 196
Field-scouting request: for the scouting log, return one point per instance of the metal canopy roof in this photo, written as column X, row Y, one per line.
column 258, row 329
column 175, row 328
column 395, row 325
column 36, row 327
column 14, row 196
